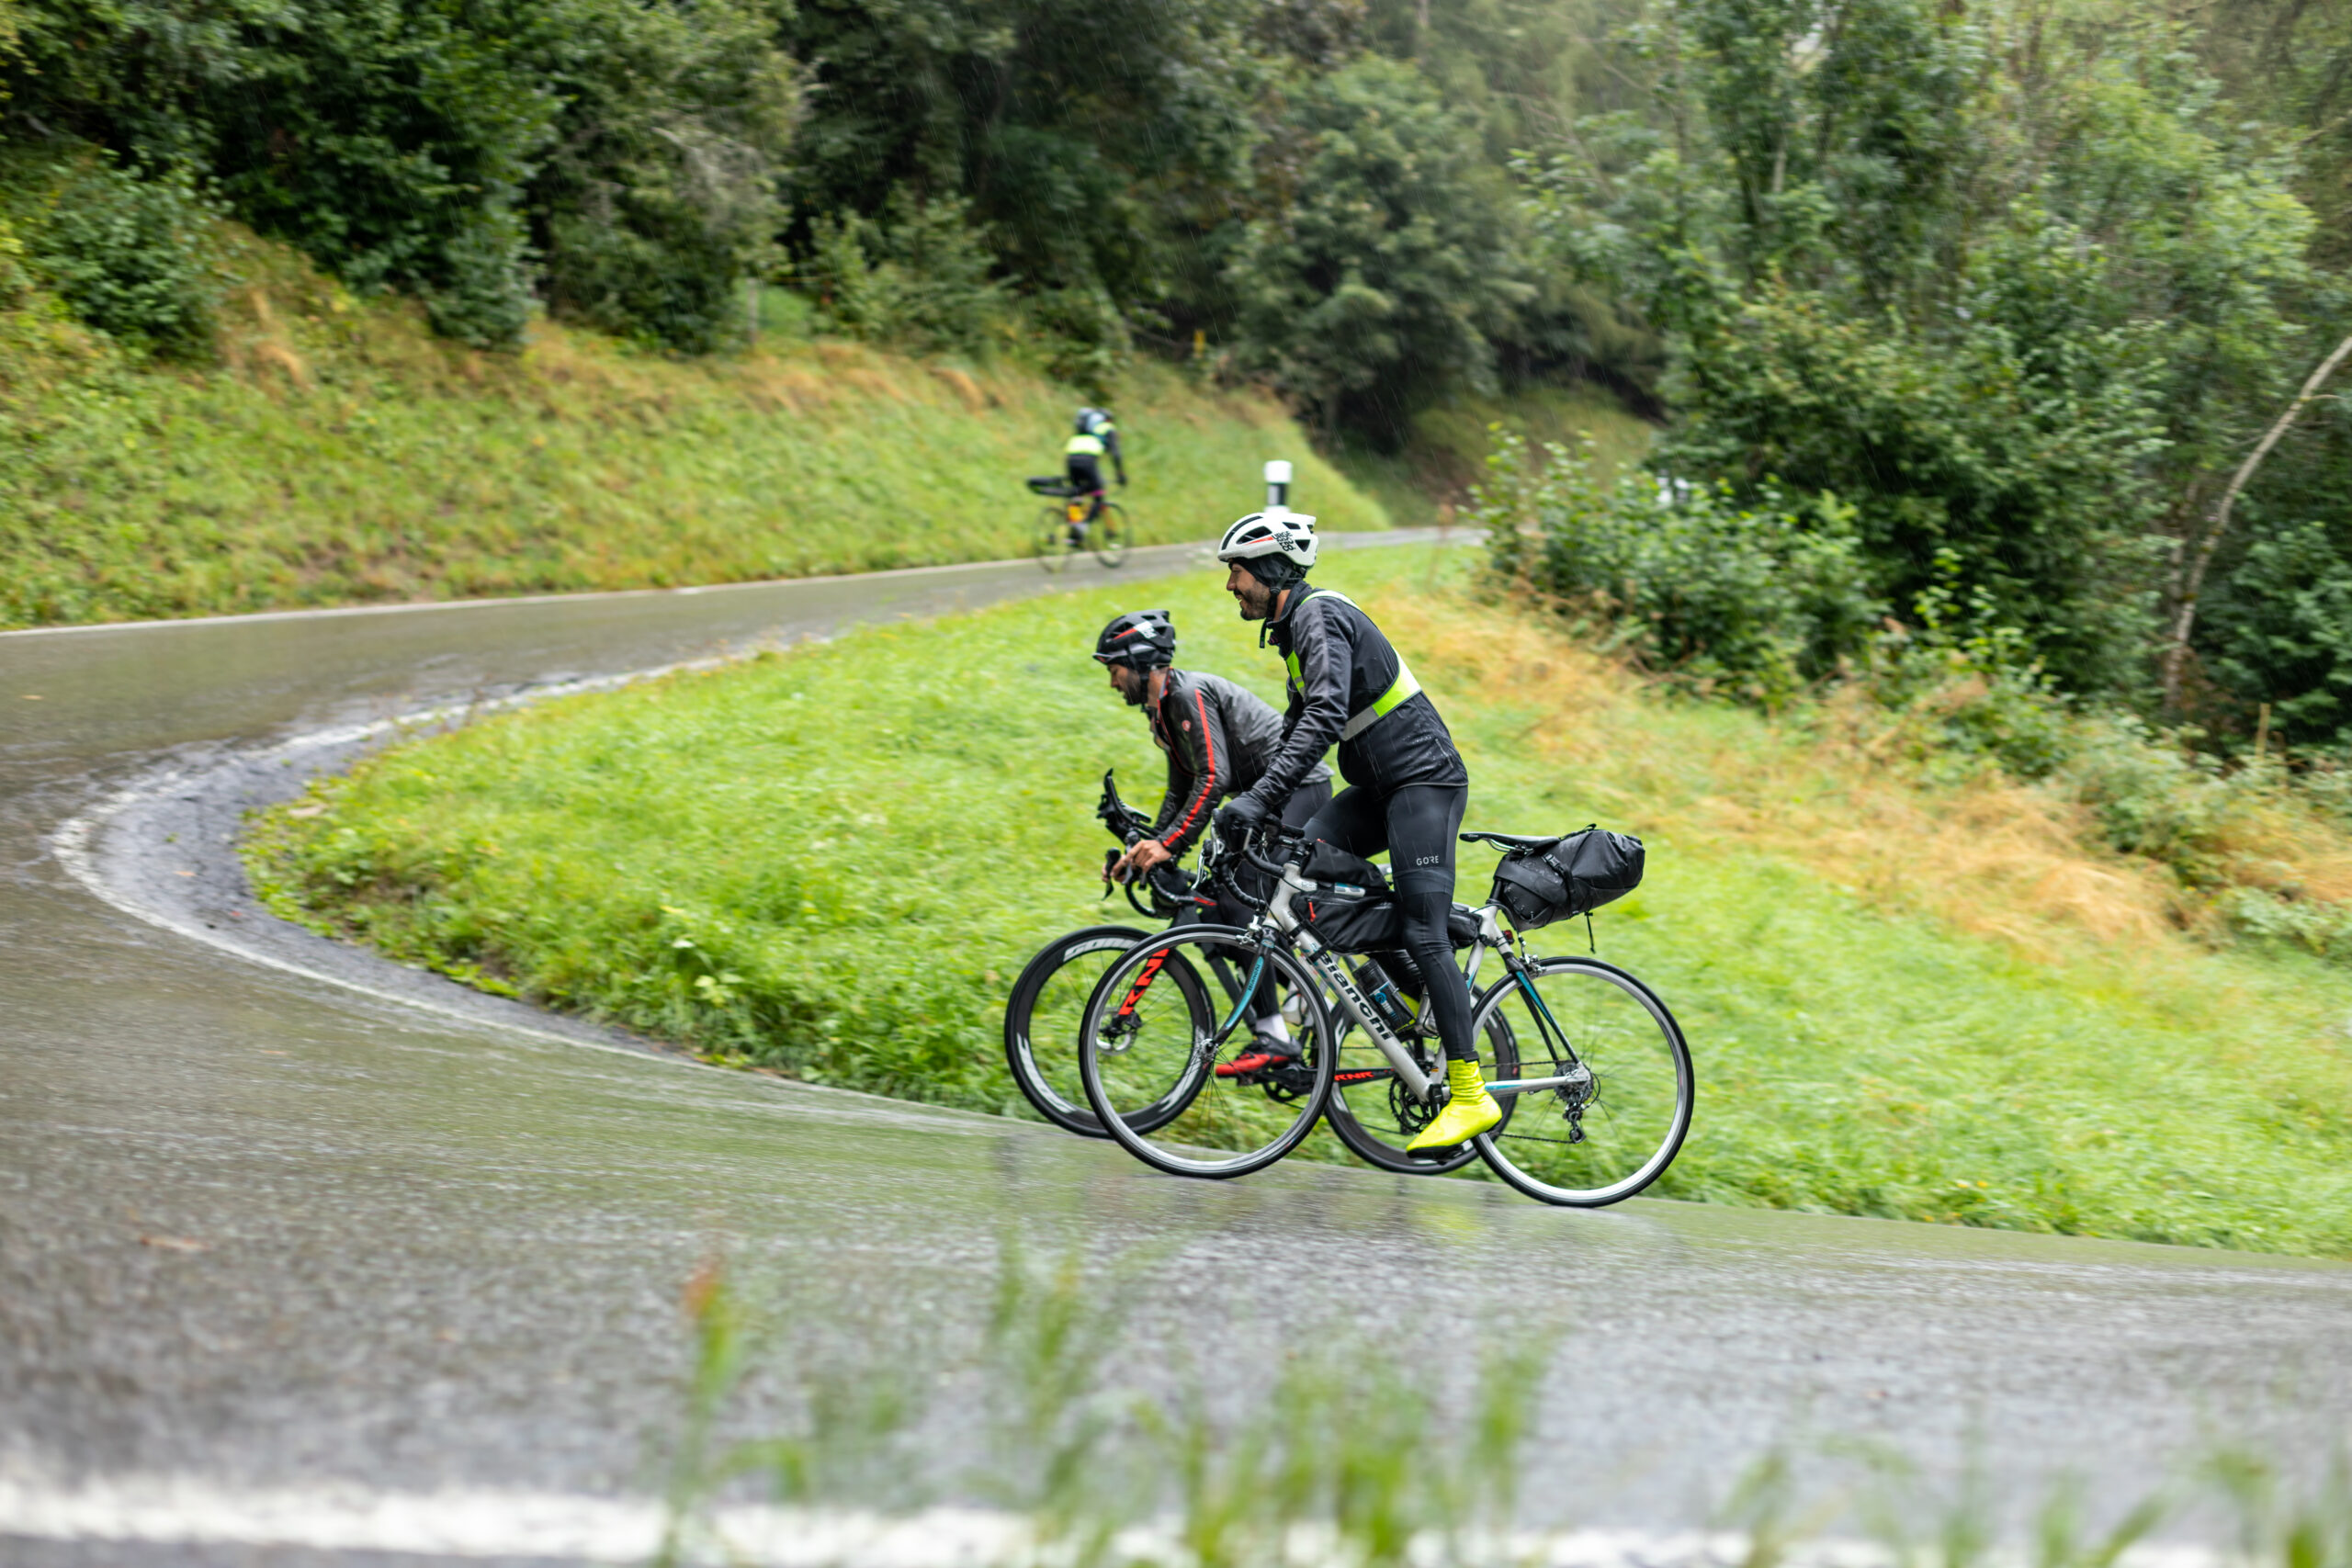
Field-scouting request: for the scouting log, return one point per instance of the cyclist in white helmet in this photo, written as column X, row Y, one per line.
column 1407, row 785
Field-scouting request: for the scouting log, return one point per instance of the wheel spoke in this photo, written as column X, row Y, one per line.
column 1159, row 1043
column 1589, row 1145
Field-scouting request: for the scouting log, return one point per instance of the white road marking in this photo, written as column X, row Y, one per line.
column 461, row 1524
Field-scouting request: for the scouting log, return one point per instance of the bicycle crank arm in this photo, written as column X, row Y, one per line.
column 1576, row 1077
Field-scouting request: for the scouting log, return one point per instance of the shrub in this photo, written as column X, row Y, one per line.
column 132, row 257
column 484, row 299
column 2284, row 625
column 918, row 278
column 1755, row 601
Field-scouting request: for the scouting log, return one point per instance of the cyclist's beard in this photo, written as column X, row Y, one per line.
column 1136, row 688
column 1255, row 599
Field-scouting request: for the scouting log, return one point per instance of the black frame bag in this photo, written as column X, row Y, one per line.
column 1352, row 910
column 1577, row 875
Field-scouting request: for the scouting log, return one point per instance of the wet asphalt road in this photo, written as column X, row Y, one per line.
column 264, row 1231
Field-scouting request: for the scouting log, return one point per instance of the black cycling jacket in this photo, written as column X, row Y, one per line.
column 1218, row 738
column 1343, row 672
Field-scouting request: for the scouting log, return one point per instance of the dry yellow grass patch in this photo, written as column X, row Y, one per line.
column 2001, row 860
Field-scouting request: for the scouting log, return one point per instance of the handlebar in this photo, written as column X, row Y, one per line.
column 1270, row 831
column 1242, row 847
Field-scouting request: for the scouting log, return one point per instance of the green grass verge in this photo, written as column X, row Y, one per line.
column 832, row 862
column 341, row 455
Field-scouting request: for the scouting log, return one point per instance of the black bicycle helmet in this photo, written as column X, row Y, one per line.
column 1140, row 639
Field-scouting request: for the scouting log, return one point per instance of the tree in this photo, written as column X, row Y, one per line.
column 2008, row 279
column 1386, row 262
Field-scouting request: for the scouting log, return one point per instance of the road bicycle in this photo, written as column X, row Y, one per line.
column 1592, row 1070
column 1047, row 1003
column 1062, row 531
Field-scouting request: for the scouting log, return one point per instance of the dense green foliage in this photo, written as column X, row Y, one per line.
column 1071, row 181
column 1389, row 272
column 448, row 149
column 1759, row 601
column 706, row 857
column 2014, row 282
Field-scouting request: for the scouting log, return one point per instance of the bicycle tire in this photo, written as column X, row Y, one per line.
column 1050, row 542
column 1048, row 1076
column 1638, row 1093
column 1108, row 534
column 1375, row 1121
column 1225, row 1129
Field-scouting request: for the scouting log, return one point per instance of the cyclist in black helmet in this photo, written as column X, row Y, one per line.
column 1218, row 738
column 1407, row 785
column 1082, row 454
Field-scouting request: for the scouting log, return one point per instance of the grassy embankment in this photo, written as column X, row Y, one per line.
column 1906, row 998
column 339, row 454
column 1445, row 452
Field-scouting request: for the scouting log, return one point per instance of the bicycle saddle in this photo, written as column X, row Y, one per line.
column 1514, row 840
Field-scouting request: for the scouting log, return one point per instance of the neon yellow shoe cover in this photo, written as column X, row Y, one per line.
column 1469, row 1111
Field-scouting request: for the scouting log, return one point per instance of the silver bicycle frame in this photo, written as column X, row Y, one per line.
column 1334, row 974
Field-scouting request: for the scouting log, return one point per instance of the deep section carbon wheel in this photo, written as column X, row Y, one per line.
column 1142, row 1040
column 1042, row 1018
column 1610, row 1082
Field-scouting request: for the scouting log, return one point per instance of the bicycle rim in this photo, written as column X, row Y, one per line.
column 1612, row 1130
column 1042, row 1015
column 1143, row 1039
column 1051, row 541
column 1110, row 535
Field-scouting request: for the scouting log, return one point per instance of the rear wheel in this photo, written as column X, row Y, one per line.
column 1043, row 1014
column 1108, row 533
column 1375, row 1116
column 1143, row 1041
column 1612, row 1085
column 1050, row 540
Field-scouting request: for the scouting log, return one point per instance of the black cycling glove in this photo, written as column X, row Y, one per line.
column 1242, row 813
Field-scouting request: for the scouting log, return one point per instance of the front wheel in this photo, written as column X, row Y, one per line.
column 1042, row 1018
column 1050, row 539
column 1143, row 1041
column 1110, row 534
column 1608, row 1086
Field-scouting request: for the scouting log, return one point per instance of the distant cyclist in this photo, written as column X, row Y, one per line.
column 1082, row 455
column 1218, row 738
column 1407, row 785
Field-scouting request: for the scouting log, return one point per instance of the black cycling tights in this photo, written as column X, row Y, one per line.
column 1415, row 825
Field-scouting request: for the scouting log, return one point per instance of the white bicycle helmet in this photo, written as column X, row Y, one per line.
column 1279, row 531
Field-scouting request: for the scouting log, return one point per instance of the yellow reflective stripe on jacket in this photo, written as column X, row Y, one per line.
column 1090, row 446
column 1399, row 690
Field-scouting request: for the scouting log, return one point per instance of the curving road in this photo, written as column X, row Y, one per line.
column 282, row 1227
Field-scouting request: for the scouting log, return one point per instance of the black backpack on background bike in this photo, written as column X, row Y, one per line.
column 1575, row 876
